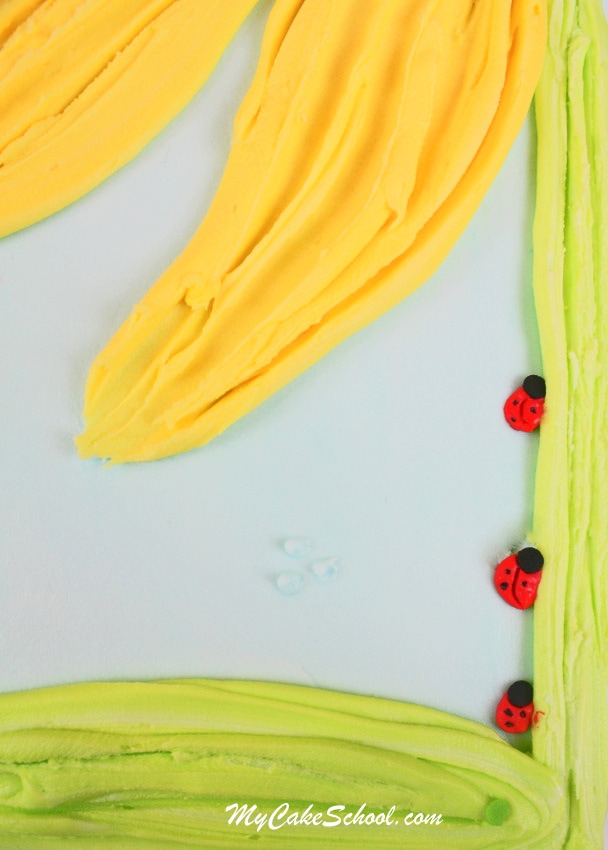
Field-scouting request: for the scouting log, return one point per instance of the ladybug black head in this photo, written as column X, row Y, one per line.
column 520, row 693
column 535, row 386
column 530, row 560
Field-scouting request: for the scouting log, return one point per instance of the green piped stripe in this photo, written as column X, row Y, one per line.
column 155, row 764
column 570, row 521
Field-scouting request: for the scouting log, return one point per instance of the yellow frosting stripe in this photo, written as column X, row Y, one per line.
column 85, row 84
column 155, row 764
column 337, row 201
column 571, row 291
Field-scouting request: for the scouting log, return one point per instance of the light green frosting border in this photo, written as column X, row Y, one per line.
column 153, row 765
column 571, row 494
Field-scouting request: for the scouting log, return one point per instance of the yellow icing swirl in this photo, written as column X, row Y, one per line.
column 368, row 138
column 76, row 102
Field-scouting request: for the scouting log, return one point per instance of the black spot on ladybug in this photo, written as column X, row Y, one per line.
column 509, row 712
column 503, row 585
column 524, row 584
column 509, row 724
column 513, row 419
column 535, row 386
column 530, row 560
column 522, row 713
column 520, row 693
column 515, row 402
column 508, row 572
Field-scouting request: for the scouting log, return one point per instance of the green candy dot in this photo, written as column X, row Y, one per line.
column 497, row 811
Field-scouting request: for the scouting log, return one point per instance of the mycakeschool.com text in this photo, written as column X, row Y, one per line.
column 249, row 815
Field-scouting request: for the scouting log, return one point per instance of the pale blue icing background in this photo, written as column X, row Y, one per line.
column 391, row 453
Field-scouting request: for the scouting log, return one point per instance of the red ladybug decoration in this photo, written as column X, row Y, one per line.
column 515, row 709
column 524, row 409
column 518, row 576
